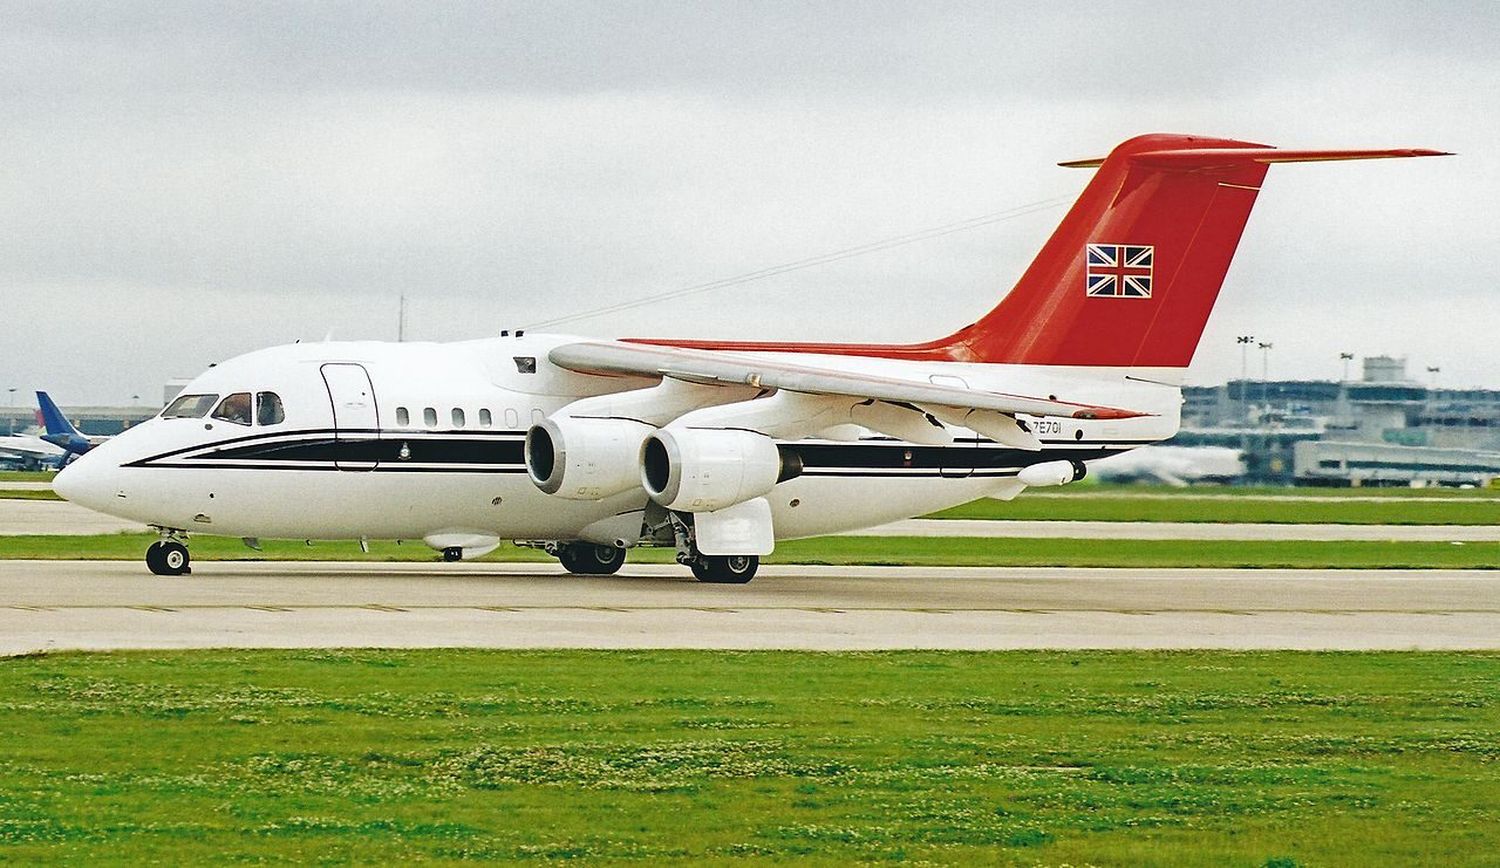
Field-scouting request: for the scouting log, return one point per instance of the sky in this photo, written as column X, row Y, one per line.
column 184, row 182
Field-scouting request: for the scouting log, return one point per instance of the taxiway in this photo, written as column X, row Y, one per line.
column 54, row 605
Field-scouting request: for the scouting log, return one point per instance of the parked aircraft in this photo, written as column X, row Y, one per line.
column 28, row 452
column 61, row 433
column 715, row 448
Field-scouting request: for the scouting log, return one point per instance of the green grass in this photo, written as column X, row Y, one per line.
column 28, row 494
column 922, row 551
column 714, row 757
column 1090, row 486
column 1477, row 509
column 27, row 475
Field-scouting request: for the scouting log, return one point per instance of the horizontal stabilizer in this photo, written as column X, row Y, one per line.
column 1201, row 157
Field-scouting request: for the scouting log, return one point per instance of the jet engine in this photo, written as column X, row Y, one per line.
column 708, row 469
column 581, row 458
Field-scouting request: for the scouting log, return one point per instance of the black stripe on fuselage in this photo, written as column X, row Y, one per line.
column 504, row 452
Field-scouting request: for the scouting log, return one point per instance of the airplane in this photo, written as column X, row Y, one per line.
column 61, row 433
column 587, row 448
column 28, row 451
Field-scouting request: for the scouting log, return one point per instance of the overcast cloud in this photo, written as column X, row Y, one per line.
column 185, row 182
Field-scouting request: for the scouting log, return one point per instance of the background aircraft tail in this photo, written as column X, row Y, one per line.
column 60, row 432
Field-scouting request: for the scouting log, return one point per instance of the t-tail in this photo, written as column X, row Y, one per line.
column 1131, row 274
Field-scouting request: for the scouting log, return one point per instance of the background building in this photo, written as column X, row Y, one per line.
column 1383, row 429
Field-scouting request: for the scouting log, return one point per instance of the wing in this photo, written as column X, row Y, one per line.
column 989, row 413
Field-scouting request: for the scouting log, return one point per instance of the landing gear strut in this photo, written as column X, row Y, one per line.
column 725, row 569
column 588, row 559
column 168, row 557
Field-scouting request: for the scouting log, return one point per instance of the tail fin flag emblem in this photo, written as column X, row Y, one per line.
column 1119, row 270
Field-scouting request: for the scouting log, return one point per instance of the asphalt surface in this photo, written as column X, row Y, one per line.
column 61, row 518
column 54, row 605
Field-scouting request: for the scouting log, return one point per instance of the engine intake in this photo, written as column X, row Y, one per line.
column 585, row 458
column 708, row 469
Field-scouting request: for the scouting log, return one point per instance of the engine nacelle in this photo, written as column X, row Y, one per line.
column 583, row 458
column 708, row 469
column 1053, row 473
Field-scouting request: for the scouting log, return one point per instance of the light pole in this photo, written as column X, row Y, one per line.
column 1434, row 371
column 1244, row 341
column 1265, row 373
column 10, row 406
column 1346, row 358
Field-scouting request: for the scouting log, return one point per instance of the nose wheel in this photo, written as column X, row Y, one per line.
column 168, row 558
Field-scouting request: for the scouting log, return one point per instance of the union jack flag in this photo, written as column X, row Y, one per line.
column 1119, row 270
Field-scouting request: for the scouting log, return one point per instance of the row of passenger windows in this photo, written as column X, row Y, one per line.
column 459, row 418
column 235, row 408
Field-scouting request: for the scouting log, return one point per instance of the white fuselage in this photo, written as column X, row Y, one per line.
column 436, row 447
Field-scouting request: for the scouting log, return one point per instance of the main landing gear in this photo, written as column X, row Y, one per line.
column 169, row 557
column 587, row 559
column 724, row 569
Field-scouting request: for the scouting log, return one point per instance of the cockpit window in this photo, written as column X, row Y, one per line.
column 189, row 407
column 234, row 408
column 268, row 409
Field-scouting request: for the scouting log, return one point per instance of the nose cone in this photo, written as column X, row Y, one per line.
column 85, row 481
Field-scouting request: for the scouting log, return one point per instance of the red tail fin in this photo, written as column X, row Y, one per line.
column 1130, row 275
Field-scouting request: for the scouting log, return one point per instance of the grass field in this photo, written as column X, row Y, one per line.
column 711, row 757
column 846, row 550
column 28, row 494
column 26, row 475
column 1479, row 508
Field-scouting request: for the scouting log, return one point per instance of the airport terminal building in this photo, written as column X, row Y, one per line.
column 1384, row 429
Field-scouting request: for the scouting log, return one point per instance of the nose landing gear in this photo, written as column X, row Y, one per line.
column 169, row 557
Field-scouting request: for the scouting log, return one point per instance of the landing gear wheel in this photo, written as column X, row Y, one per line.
column 586, row 559
column 168, row 558
column 453, row 553
column 725, row 569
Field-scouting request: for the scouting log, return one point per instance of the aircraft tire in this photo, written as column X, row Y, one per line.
column 168, row 558
column 726, row 569
column 154, row 561
column 591, row 560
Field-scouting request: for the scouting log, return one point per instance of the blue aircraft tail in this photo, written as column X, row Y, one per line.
column 60, row 432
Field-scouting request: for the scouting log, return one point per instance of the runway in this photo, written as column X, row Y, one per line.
column 110, row 605
column 62, row 518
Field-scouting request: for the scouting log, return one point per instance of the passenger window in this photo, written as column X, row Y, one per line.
column 537, row 416
column 484, row 418
column 403, row 418
column 429, row 417
column 189, row 407
column 525, row 364
column 512, row 419
column 458, row 417
column 268, row 409
column 235, row 408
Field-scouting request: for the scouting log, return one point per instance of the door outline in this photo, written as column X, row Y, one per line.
column 366, row 423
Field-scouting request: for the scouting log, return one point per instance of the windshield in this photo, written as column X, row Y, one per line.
column 189, row 407
column 235, row 408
